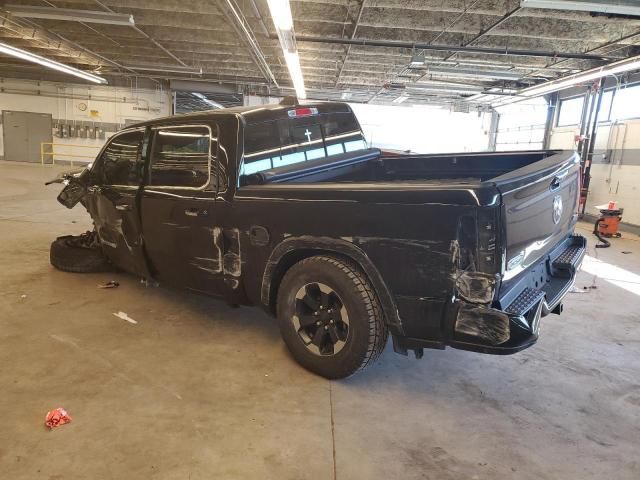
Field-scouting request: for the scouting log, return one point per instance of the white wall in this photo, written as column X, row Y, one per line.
column 423, row 129
column 617, row 175
column 105, row 105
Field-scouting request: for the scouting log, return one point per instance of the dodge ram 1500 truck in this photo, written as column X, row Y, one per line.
column 285, row 207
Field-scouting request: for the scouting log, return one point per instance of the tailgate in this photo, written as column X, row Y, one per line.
column 540, row 208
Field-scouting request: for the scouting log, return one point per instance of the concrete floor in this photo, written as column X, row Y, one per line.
column 197, row 390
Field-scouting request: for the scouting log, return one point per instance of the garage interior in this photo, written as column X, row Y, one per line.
column 194, row 388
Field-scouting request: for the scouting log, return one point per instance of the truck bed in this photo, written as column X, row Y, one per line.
column 372, row 165
column 532, row 186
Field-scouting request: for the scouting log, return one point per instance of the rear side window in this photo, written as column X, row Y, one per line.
column 342, row 134
column 120, row 162
column 288, row 141
column 180, row 157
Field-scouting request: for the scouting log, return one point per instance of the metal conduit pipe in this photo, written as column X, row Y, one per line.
column 365, row 42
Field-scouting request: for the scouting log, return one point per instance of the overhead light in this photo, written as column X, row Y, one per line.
column 620, row 7
column 622, row 66
column 69, row 14
column 293, row 64
column 474, row 73
column 345, row 96
column 206, row 100
column 400, row 99
column 446, row 88
column 283, row 21
column 417, row 59
column 45, row 62
column 281, row 14
column 166, row 68
column 627, row 65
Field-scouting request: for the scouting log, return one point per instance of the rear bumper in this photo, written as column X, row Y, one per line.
column 512, row 322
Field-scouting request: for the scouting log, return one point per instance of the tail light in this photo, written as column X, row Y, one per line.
column 487, row 254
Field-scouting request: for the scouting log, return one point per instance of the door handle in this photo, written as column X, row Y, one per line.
column 195, row 212
column 123, row 207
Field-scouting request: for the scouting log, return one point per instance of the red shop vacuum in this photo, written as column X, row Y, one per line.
column 607, row 224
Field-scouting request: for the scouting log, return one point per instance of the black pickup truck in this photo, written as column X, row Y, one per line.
column 285, row 207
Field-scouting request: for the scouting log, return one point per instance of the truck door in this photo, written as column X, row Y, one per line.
column 112, row 200
column 182, row 240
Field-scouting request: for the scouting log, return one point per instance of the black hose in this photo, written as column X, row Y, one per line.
column 604, row 242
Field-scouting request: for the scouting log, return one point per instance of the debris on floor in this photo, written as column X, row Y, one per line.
column 23, row 296
column 57, row 417
column 125, row 317
column 626, row 252
column 149, row 283
column 109, row 284
column 588, row 289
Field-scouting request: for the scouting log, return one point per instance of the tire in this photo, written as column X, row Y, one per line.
column 66, row 255
column 303, row 293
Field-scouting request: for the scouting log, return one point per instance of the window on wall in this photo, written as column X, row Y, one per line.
column 120, row 163
column 626, row 103
column 570, row 112
column 180, row 157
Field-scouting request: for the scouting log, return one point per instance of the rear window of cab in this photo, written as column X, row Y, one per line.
column 281, row 142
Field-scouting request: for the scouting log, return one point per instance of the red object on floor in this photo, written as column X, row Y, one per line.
column 57, row 417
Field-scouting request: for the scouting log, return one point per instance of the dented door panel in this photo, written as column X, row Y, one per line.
column 116, row 218
column 183, row 242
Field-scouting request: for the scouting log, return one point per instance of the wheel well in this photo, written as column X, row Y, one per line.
column 289, row 260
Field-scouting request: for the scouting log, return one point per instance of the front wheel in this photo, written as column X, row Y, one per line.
column 330, row 317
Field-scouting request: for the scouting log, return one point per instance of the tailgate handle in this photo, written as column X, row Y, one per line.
column 557, row 180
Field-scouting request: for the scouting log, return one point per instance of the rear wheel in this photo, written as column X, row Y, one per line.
column 78, row 254
column 330, row 317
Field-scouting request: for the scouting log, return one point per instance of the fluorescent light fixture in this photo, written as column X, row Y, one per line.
column 627, row 65
column 45, row 62
column 473, row 73
column 69, row 14
column 621, row 7
column 281, row 14
column 293, row 64
column 417, row 60
column 446, row 88
column 166, row 68
column 401, row 99
column 615, row 68
column 206, row 100
column 283, row 21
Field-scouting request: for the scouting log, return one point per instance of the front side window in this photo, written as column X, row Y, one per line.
column 180, row 157
column 120, row 163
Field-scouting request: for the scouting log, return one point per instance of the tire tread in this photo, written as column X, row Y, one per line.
column 378, row 332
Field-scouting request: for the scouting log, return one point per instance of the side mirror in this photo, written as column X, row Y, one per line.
column 72, row 193
column 75, row 183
